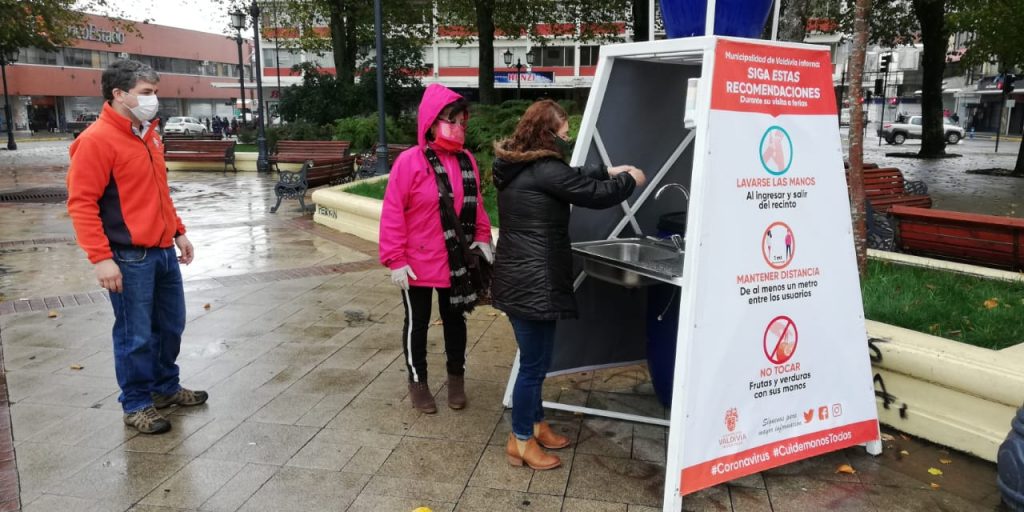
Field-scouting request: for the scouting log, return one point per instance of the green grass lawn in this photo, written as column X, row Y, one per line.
column 376, row 191
column 982, row 312
column 245, row 148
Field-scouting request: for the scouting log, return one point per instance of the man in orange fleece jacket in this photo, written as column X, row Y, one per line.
column 121, row 208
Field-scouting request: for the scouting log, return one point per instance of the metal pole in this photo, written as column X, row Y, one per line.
column 881, row 111
column 11, row 145
column 382, row 132
column 842, row 94
column 261, row 137
column 775, row 20
column 999, row 121
column 241, row 79
column 519, row 73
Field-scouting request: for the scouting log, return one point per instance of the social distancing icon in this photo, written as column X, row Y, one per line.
column 778, row 245
column 780, row 339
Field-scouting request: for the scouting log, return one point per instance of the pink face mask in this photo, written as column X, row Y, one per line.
column 450, row 136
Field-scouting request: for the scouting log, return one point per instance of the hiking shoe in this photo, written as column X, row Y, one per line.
column 147, row 421
column 421, row 397
column 185, row 397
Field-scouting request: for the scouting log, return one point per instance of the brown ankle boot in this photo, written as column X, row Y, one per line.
column 532, row 455
column 548, row 438
column 421, row 397
column 456, row 391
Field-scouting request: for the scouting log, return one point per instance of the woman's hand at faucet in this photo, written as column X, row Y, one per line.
column 638, row 176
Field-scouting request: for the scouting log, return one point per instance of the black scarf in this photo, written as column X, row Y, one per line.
column 462, row 295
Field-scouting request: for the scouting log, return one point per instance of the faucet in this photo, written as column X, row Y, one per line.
column 672, row 185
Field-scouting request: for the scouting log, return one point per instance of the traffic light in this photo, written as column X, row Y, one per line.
column 878, row 87
column 1008, row 80
column 884, row 67
column 867, row 96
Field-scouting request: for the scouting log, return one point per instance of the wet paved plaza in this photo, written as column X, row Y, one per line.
column 295, row 331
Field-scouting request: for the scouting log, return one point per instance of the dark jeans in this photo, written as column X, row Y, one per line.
column 536, row 339
column 417, row 300
column 149, row 317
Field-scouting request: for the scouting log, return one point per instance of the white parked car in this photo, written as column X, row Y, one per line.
column 899, row 131
column 184, row 126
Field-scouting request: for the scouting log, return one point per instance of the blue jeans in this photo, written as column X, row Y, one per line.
column 149, row 318
column 536, row 339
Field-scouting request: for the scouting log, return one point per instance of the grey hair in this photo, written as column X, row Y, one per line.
column 124, row 74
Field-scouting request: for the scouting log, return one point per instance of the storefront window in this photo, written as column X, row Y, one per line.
column 37, row 56
column 589, row 55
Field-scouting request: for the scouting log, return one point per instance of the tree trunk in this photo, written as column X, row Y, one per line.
column 931, row 15
column 855, row 174
column 640, row 20
column 485, row 29
column 343, row 62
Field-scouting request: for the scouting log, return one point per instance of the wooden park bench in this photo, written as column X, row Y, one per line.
column 986, row 240
column 301, row 151
column 368, row 163
column 885, row 188
column 294, row 184
column 183, row 150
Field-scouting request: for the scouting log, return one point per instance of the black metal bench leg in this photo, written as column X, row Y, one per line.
column 276, row 206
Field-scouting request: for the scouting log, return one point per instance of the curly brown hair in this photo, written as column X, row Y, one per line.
column 537, row 128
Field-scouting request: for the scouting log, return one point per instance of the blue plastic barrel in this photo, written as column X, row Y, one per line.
column 740, row 18
column 663, row 319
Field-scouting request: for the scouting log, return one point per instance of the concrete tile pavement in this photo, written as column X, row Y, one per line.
column 294, row 330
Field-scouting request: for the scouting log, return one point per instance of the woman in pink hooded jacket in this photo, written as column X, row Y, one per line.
column 433, row 194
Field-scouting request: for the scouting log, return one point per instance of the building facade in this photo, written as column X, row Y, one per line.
column 49, row 89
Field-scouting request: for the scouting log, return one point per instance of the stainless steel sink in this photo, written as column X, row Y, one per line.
column 630, row 262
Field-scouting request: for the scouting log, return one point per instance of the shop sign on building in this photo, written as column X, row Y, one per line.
column 526, row 77
column 94, row 33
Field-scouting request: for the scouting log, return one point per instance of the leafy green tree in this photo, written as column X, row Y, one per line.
column 49, row 24
column 403, row 66
column 581, row 20
column 321, row 98
column 899, row 22
column 997, row 29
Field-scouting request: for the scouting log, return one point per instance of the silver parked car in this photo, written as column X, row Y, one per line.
column 184, row 126
column 898, row 132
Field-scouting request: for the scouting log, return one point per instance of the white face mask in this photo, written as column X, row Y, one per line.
column 147, row 107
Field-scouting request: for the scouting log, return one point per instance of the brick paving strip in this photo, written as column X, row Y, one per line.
column 10, row 497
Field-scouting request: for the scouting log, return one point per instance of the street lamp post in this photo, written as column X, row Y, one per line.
column 6, row 58
column 261, row 136
column 382, row 130
column 519, row 68
column 238, row 22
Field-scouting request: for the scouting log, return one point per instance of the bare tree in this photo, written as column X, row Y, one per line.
column 855, row 174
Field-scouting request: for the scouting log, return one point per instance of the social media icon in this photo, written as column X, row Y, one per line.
column 837, row 410
column 823, row 413
column 809, row 415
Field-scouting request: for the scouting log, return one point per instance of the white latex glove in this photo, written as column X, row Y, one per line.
column 401, row 276
column 485, row 248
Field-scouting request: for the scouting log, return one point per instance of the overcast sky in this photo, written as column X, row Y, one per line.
column 202, row 15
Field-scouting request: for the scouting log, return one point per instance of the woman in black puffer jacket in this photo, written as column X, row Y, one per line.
column 533, row 263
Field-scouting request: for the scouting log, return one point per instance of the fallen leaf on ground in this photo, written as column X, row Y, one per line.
column 930, row 286
column 934, row 471
column 77, row 367
column 846, row 468
column 904, row 453
column 888, row 437
column 945, row 461
column 991, row 303
column 933, row 328
column 955, row 332
column 905, row 437
column 206, row 306
column 52, row 313
column 436, row 322
column 934, row 485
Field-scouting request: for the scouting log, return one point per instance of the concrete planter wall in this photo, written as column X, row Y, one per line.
column 244, row 161
column 945, row 391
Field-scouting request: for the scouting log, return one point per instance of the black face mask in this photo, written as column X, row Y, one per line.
column 564, row 146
